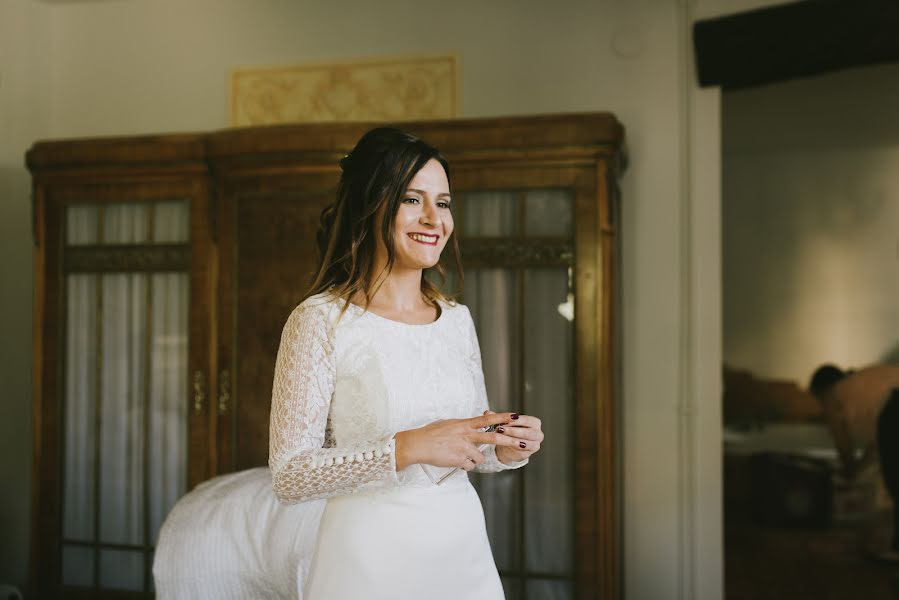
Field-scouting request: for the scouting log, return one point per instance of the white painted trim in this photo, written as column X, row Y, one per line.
column 706, row 348
column 700, row 523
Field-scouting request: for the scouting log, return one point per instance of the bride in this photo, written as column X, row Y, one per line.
column 379, row 409
column 379, row 392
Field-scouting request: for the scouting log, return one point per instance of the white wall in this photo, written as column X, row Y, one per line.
column 811, row 223
column 141, row 66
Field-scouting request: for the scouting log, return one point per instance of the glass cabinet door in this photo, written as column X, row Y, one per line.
column 524, row 320
column 116, row 415
column 518, row 254
column 124, row 406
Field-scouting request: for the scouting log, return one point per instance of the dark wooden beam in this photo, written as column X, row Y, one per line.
column 795, row 40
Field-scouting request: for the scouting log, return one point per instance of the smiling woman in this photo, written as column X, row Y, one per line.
column 363, row 404
column 394, row 187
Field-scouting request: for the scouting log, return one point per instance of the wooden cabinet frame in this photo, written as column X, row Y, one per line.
column 219, row 170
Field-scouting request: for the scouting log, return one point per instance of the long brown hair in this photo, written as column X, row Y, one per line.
column 372, row 185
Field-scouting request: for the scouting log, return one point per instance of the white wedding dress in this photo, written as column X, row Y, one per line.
column 348, row 525
column 344, row 385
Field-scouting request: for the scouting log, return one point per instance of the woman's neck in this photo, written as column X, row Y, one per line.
column 399, row 291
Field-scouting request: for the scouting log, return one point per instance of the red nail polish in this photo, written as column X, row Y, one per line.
column 522, row 444
column 514, row 416
column 500, row 430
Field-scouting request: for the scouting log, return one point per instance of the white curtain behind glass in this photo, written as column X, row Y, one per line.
column 142, row 388
column 492, row 295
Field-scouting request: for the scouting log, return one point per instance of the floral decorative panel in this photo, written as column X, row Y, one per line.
column 376, row 90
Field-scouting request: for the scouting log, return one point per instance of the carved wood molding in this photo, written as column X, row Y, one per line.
column 127, row 258
column 517, row 252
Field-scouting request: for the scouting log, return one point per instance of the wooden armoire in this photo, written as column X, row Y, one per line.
column 165, row 267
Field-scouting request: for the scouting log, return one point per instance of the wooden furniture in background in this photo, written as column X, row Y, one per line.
column 254, row 197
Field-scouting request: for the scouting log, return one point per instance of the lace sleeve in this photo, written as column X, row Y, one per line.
column 301, row 397
column 491, row 463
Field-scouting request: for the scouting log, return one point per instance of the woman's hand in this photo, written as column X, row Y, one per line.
column 527, row 433
column 452, row 443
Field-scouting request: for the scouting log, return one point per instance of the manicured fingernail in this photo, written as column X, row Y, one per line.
column 522, row 444
column 500, row 430
column 514, row 416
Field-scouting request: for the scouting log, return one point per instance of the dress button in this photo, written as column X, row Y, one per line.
column 358, row 457
column 338, row 460
column 378, row 453
column 368, row 455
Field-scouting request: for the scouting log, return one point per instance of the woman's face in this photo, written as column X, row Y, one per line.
column 423, row 221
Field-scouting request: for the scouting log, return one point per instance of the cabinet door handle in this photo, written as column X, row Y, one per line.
column 199, row 392
column 224, row 391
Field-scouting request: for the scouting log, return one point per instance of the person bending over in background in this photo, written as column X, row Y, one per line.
column 862, row 411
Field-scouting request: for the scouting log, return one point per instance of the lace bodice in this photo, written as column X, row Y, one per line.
column 345, row 386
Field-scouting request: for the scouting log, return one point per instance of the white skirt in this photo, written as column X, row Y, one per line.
column 230, row 539
column 404, row 544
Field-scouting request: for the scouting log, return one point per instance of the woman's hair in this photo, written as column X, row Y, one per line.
column 372, row 186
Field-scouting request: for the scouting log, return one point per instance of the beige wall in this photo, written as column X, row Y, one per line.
column 811, row 207
column 139, row 66
column 24, row 115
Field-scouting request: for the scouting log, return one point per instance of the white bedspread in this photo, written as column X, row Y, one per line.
column 231, row 538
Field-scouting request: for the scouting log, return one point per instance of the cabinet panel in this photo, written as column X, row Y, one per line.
column 268, row 252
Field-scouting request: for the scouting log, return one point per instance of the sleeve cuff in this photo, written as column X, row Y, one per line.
column 493, row 464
